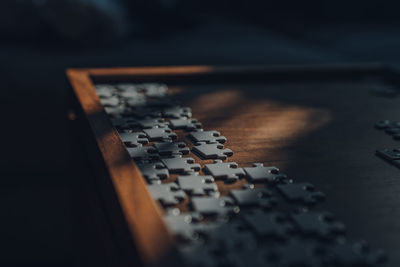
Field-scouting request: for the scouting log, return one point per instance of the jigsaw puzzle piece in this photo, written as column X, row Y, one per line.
column 149, row 123
column 155, row 90
column 122, row 123
column 260, row 173
column 196, row 185
column 318, row 224
column 160, row 134
column 211, row 151
column 207, row 136
column 250, row 197
column 214, row 206
column 143, row 153
column 301, row 192
column 110, row 102
column 105, row 90
column 115, row 111
column 232, row 235
column 227, row 171
column 184, row 124
column 265, row 225
column 177, row 164
column 134, row 138
column 183, row 225
column 167, row 194
column 153, row 171
column 170, row 148
column 177, row 112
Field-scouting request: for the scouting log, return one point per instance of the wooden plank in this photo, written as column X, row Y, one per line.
column 142, row 215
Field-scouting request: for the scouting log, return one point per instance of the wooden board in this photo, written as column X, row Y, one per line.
column 314, row 123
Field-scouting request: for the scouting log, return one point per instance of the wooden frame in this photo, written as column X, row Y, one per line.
column 123, row 189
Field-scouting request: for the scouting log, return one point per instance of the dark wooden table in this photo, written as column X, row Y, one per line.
column 314, row 123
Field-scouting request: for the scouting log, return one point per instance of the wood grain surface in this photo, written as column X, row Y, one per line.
column 313, row 129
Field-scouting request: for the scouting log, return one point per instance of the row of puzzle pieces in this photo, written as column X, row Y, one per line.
column 251, row 225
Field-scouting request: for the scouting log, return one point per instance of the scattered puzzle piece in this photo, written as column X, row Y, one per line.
column 213, row 206
column 105, row 91
column 181, row 225
column 177, row 164
column 196, row 185
column 110, row 102
column 170, row 148
column 133, row 139
column 155, row 89
column 260, row 173
column 319, row 224
column 211, row 151
column 153, row 171
column 228, row 171
column 149, row 123
column 272, row 224
column 160, row 134
column 207, row 136
column 177, row 112
column 261, row 197
column 302, row 192
column 185, row 124
column 142, row 153
column 168, row 194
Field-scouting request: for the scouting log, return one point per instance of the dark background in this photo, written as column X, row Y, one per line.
column 40, row 39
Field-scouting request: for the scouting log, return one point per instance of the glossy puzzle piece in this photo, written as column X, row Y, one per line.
column 213, row 206
column 194, row 184
column 250, row 197
column 134, row 138
column 211, row 151
column 177, row 112
column 207, row 136
column 227, row 171
column 105, row 91
column 167, row 194
column 319, row 224
column 153, row 171
column 268, row 224
column 143, row 153
column 177, row 164
column 181, row 225
column 172, row 148
column 184, row 124
column 149, row 123
column 110, row 102
column 160, row 134
column 301, row 192
column 260, row 173
column 155, row 89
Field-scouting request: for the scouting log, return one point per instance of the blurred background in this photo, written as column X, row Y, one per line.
column 41, row 38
